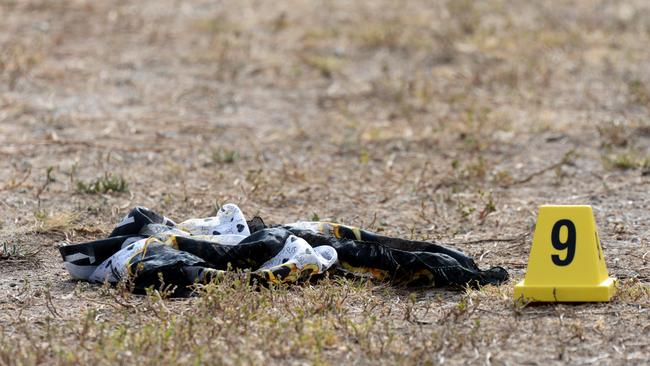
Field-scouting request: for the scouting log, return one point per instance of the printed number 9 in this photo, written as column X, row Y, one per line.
column 569, row 245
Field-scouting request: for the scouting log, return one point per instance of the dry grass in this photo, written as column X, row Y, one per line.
column 445, row 120
column 55, row 222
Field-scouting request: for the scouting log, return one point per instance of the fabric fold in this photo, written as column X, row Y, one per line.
column 150, row 250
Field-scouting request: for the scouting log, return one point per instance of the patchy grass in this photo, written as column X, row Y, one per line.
column 326, row 65
column 55, row 222
column 224, row 156
column 633, row 290
column 231, row 323
column 639, row 93
column 615, row 134
column 10, row 252
column 626, row 160
column 106, row 184
column 449, row 121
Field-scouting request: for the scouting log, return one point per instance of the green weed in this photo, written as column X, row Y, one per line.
column 106, row 184
column 224, row 156
column 626, row 161
column 15, row 252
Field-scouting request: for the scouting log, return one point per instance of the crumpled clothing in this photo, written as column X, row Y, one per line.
column 146, row 246
column 229, row 220
column 400, row 261
column 148, row 249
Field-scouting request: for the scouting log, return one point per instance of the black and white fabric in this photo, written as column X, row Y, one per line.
column 146, row 247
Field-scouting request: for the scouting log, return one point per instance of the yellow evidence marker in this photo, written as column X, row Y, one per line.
column 566, row 262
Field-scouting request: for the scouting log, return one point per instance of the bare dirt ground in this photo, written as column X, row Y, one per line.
column 449, row 121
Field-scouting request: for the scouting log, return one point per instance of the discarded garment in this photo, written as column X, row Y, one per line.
column 408, row 262
column 147, row 248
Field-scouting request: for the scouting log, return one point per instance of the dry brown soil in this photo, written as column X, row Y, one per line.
column 445, row 120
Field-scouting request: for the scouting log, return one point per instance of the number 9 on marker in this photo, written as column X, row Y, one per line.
column 566, row 261
column 568, row 245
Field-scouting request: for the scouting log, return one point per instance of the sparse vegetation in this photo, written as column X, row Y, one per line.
column 639, row 92
column 17, row 253
column 224, row 156
column 615, row 134
column 326, row 65
column 626, row 160
column 55, row 222
column 106, row 184
column 446, row 120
